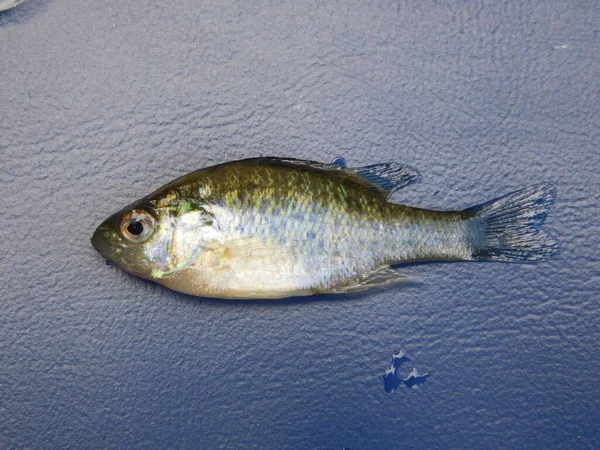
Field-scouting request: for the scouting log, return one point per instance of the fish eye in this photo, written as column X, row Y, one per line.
column 136, row 228
column 137, row 225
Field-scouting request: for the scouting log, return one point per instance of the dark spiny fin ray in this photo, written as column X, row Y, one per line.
column 293, row 162
column 510, row 226
column 390, row 177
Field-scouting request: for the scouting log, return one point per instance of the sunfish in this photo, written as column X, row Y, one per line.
column 275, row 228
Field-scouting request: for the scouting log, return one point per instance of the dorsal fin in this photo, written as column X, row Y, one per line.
column 291, row 162
column 388, row 177
column 384, row 177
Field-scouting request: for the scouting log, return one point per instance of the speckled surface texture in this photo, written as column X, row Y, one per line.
column 102, row 102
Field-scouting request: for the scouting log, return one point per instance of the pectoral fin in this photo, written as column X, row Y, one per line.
column 378, row 279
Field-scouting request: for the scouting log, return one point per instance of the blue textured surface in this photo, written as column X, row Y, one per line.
column 102, row 102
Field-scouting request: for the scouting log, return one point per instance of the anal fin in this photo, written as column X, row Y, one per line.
column 378, row 279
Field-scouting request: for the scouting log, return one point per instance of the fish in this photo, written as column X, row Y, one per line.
column 271, row 228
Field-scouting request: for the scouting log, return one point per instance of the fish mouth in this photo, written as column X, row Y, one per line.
column 100, row 243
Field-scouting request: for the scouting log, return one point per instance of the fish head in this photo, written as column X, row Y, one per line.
column 134, row 239
column 155, row 237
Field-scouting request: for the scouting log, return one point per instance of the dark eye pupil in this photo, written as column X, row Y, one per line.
column 135, row 228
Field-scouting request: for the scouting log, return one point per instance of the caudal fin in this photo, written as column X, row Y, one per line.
column 510, row 226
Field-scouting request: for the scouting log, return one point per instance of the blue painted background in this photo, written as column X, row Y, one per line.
column 102, row 102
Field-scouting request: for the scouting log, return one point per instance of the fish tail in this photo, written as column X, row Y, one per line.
column 509, row 228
